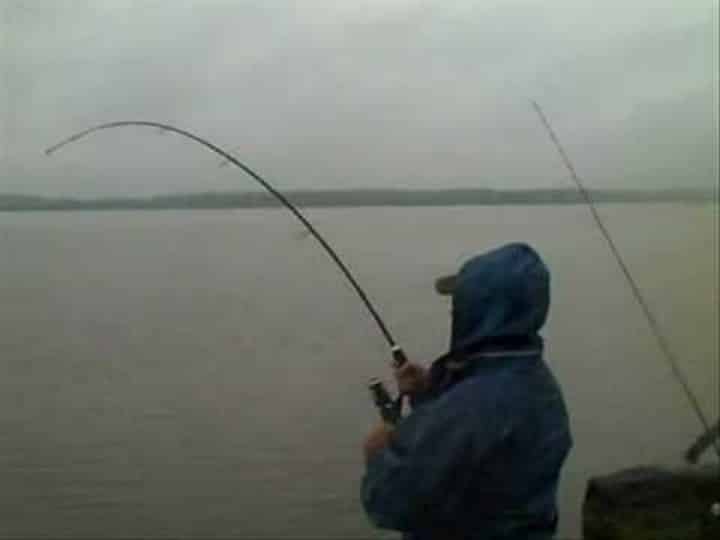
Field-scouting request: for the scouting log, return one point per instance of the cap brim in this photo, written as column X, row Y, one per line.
column 445, row 285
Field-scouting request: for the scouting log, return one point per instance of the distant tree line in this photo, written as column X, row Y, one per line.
column 355, row 198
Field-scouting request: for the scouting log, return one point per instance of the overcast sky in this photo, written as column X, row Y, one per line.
column 361, row 93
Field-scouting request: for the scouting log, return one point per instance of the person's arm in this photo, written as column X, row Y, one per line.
column 406, row 481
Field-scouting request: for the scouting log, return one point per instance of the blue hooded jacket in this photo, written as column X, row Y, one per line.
column 480, row 455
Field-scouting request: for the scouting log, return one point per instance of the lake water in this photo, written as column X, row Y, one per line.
column 202, row 373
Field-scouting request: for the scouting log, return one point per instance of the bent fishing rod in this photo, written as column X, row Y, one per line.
column 652, row 321
column 390, row 409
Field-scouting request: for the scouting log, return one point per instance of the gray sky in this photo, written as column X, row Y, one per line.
column 374, row 93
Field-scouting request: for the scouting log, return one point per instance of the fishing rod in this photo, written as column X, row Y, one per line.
column 389, row 409
column 652, row 322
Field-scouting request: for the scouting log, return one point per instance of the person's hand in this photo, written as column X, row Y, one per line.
column 377, row 439
column 412, row 379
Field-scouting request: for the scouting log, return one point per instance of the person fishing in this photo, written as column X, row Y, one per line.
column 480, row 455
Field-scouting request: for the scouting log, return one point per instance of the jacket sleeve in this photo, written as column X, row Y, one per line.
column 407, row 484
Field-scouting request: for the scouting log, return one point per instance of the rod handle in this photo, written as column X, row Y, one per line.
column 399, row 358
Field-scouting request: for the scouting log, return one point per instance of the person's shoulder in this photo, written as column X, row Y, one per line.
column 479, row 390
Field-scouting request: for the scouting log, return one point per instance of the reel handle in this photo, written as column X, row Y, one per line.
column 390, row 409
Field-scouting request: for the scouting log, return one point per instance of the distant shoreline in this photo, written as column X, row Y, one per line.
column 355, row 198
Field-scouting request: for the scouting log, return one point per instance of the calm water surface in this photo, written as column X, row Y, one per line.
column 201, row 373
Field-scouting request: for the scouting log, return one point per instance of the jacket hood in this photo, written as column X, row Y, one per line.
column 499, row 296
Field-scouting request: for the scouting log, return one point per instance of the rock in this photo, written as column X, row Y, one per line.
column 653, row 503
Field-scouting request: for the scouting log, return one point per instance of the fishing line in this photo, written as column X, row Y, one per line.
column 399, row 357
column 654, row 326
